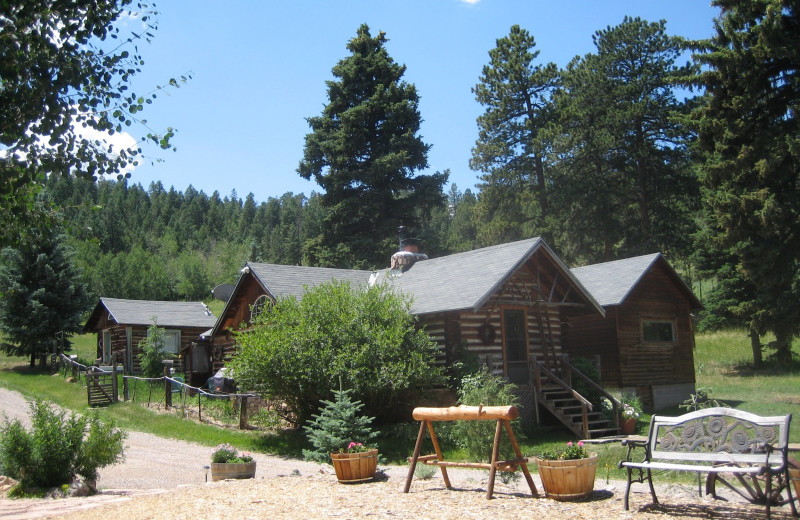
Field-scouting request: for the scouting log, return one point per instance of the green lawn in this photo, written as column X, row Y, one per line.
column 721, row 360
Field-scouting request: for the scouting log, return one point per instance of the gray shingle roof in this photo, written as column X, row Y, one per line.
column 464, row 280
column 167, row 314
column 611, row 282
column 289, row 280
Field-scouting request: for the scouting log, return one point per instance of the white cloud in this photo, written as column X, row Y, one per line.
column 114, row 143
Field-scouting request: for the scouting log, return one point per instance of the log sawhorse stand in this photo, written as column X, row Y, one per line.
column 503, row 414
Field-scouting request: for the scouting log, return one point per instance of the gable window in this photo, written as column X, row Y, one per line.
column 515, row 346
column 261, row 304
column 658, row 331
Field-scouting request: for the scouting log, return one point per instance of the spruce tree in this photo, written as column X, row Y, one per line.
column 751, row 176
column 41, row 294
column 364, row 151
column 338, row 424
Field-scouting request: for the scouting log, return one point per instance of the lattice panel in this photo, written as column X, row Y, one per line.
column 527, row 408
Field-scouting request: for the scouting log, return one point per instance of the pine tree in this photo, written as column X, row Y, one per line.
column 512, row 148
column 337, row 425
column 363, row 151
column 625, row 186
column 41, row 294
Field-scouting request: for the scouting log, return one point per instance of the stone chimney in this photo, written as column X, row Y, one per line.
column 408, row 252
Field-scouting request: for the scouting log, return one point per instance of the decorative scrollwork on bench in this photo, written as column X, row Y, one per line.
column 715, row 434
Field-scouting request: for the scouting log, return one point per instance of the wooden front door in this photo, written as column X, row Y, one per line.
column 515, row 346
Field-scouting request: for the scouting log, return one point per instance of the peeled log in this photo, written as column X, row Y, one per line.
column 466, row 413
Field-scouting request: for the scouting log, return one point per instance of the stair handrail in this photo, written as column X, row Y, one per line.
column 559, row 382
column 585, row 404
column 616, row 405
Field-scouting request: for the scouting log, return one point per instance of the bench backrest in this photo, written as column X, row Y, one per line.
column 719, row 435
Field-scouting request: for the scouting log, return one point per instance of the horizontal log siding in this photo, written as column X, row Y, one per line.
column 655, row 297
column 119, row 344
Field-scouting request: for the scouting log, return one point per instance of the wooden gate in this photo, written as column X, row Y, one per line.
column 101, row 387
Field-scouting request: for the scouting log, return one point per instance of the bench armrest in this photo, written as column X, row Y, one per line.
column 632, row 444
column 782, row 455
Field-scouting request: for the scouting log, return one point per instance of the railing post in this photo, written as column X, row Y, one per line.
column 167, row 383
column 585, row 414
column 114, row 383
column 243, row 413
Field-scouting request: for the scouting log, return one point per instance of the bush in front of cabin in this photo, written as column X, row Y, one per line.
column 152, row 352
column 57, row 448
column 299, row 350
column 476, row 438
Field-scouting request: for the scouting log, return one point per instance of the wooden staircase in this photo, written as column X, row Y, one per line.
column 554, row 392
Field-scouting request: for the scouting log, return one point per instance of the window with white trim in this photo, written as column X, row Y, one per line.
column 171, row 340
column 658, row 331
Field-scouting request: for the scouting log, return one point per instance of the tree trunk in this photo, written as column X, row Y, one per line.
column 33, row 360
column 783, row 347
column 755, row 344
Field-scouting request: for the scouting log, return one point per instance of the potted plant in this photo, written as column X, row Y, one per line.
column 567, row 473
column 631, row 409
column 340, row 435
column 355, row 463
column 227, row 462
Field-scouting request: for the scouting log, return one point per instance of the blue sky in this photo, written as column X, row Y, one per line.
column 259, row 70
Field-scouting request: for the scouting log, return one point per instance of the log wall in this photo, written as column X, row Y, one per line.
column 627, row 362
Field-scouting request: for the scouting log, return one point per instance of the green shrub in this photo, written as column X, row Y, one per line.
column 152, row 352
column 296, row 352
column 588, row 369
column 482, row 388
column 103, row 446
column 57, row 448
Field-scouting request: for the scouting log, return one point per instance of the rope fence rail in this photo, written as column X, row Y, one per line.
column 213, row 407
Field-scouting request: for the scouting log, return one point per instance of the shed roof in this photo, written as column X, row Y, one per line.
column 467, row 280
column 611, row 282
column 142, row 312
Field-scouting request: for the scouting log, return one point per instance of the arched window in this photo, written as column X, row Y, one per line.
column 262, row 303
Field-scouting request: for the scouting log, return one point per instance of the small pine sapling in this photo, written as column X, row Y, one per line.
column 338, row 424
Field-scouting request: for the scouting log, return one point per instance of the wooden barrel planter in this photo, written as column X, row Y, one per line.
column 355, row 467
column 568, row 479
column 229, row 470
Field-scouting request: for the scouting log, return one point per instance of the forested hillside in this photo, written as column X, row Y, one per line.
column 165, row 244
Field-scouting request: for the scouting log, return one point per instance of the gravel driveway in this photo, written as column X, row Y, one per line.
column 164, row 478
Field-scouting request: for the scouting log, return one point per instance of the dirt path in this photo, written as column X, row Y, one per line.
column 162, row 478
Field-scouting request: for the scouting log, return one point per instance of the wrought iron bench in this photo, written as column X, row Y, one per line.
column 718, row 442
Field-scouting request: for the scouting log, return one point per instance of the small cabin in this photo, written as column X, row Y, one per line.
column 645, row 342
column 121, row 324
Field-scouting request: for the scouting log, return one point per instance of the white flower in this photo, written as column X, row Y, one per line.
column 629, row 411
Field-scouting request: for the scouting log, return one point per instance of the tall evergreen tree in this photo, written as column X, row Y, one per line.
column 41, row 294
column 751, row 136
column 512, row 148
column 625, row 171
column 364, row 151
